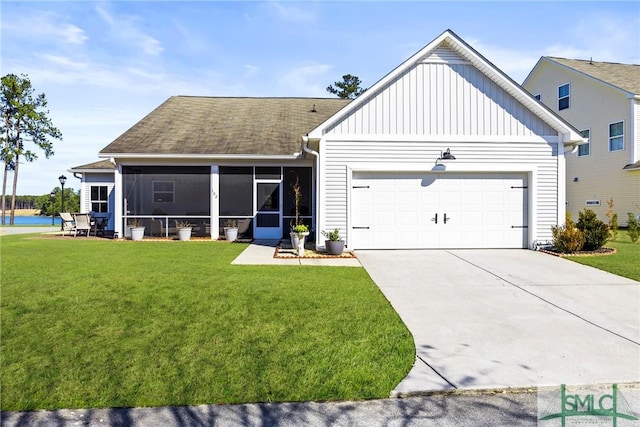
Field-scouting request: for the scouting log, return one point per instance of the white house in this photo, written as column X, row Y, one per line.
column 445, row 151
column 602, row 100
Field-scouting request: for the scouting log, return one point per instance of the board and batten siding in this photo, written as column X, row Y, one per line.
column 343, row 156
column 443, row 95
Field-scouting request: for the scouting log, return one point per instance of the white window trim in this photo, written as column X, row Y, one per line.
column 617, row 136
column 92, row 200
column 153, row 191
column 568, row 96
column 588, row 143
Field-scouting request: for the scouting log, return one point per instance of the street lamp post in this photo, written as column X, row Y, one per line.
column 52, row 195
column 62, row 180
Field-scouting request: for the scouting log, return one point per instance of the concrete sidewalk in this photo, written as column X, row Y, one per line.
column 484, row 319
column 28, row 230
column 260, row 252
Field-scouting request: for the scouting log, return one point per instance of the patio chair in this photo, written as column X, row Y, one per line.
column 83, row 224
column 157, row 227
column 68, row 223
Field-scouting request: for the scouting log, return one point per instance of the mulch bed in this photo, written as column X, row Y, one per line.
column 286, row 251
column 599, row 252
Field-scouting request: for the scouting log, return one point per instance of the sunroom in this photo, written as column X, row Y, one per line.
column 259, row 200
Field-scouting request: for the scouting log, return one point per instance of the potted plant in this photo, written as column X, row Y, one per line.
column 184, row 230
column 231, row 230
column 298, row 234
column 334, row 244
column 137, row 229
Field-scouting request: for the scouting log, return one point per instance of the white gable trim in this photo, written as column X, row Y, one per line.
column 570, row 136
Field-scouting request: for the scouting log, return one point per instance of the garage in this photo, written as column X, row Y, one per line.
column 427, row 210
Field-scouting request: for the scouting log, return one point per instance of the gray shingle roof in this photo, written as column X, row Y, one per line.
column 624, row 76
column 225, row 126
column 105, row 165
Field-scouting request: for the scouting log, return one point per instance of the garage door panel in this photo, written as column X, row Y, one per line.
column 400, row 210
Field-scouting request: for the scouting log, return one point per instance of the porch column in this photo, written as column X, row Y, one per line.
column 117, row 202
column 215, row 202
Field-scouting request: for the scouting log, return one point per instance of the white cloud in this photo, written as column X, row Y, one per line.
column 305, row 80
column 45, row 26
column 251, row 70
column 291, row 12
column 126, row 29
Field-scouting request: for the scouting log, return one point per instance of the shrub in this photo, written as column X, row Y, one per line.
column 613, row 220
column 633, row 227
column 613, row 225
column 596, row 232
column 567, row 238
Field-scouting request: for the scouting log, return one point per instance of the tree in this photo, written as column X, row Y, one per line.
column 51, row 206
column 348, row 88
column 24, row 119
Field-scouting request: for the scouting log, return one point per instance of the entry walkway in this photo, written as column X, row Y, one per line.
column 260, row 252
column 485, row 319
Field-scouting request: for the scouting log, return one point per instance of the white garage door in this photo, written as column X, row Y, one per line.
column 438, row 210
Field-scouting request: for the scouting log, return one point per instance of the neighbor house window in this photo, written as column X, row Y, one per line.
column 584, row 149
column 163, row 191
column 99, row 198
column 616, row 136
column 564, row 93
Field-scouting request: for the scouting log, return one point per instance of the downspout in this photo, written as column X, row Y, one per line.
column 306, row 149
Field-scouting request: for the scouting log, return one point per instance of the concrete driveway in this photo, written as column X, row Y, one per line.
column 485, row 319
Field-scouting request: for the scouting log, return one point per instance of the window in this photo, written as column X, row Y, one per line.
column 584, row 149
column 163, row 191
column 538, row 96
column 564, row 93
column 99, row 198
column 616, row 136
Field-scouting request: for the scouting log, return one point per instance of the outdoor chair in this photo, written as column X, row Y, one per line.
column 68, row 223
column 83, row 224
column 157, row 227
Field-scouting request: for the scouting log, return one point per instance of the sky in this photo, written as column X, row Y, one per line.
column 104, row 65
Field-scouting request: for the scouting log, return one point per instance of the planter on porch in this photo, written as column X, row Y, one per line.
column 231, row 234
column 184, row 233
column 137, row 233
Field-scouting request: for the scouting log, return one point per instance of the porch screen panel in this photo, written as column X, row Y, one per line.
column 304, row 178
column 236, row 191
column 167, row 190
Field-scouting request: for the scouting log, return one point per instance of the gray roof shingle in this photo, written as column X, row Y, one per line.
column 225, row 126
column 624, row 76
column 105, row 165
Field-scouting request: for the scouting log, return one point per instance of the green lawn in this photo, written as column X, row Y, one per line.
column 100, row 323
column 625, row 262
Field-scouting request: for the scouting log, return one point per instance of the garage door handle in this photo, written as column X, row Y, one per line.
column 445, row 218
column 435, row 219
column 360, row 228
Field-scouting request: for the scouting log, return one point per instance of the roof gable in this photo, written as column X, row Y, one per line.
column 448, row 49
column 187, row 125
column 625, row 77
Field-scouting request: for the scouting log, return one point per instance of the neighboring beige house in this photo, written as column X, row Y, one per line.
column 602, row 100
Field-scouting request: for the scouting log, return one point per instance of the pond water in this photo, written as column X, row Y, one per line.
column 33, row 220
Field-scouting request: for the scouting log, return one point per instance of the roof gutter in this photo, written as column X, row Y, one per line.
column 306, row 149
column 293, row 156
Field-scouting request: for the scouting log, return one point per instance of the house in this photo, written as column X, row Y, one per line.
column 602, row 100
column 445, row 151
